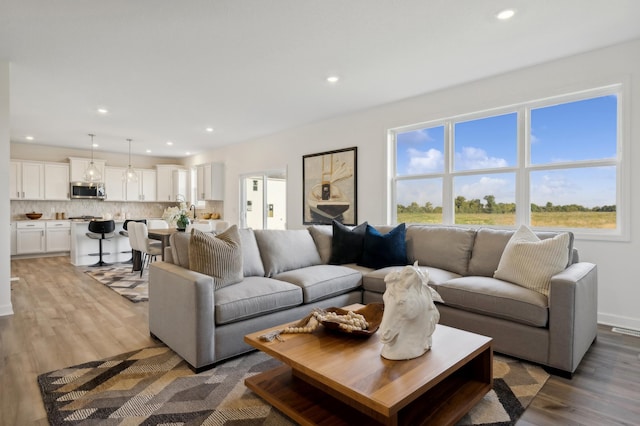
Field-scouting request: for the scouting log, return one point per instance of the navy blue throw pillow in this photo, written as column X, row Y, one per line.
column 346, row 244
column 382, row 250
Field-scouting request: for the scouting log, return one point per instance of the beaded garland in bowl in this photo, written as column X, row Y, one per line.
column 372, row 313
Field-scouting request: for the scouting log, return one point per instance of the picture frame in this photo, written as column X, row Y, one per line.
column 330, row 190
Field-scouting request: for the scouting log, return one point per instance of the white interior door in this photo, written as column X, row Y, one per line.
column 263, row 200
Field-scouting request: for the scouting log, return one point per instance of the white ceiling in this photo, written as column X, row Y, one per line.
column 168, row 69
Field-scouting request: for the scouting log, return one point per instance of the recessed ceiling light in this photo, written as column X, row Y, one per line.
column 187, row 153
column 29, row 138
column 103, row 110
column 506, row 14
column 169, row 143
column 209, row 129
column 148, row 151
column 333, row 79
column 95, row 145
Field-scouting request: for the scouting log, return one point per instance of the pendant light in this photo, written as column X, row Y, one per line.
column 92, row 174
column 129, row 174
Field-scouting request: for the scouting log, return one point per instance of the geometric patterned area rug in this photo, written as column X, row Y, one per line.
column 154, row 386
column 119, row 278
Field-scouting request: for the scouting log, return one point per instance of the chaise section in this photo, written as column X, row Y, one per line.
column 496, row 298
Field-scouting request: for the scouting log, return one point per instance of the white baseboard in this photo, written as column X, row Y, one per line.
column 619, row 321
column 6, row 310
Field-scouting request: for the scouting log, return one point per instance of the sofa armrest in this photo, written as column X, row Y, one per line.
column 181, row 311
column 573, row 308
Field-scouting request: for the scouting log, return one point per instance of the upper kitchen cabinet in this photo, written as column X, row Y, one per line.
column 210, row 184
column 26, row 180
column 113, row 183
column 145, row 188
column 172, row 181
column 79, row 165
column 56, row 181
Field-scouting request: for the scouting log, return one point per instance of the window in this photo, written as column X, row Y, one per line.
column 550, row 164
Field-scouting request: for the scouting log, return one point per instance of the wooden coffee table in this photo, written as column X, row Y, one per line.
column 337, row 379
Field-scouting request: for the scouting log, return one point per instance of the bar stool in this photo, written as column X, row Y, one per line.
column 101, row 230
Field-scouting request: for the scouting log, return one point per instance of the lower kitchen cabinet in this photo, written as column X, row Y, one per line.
column 58, row 236
column 37, row 237
column 30, row 237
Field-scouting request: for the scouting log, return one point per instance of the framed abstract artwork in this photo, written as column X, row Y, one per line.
column 329, row 181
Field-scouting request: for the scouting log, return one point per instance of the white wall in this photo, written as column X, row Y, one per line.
column 5, row 253
column 618, row 262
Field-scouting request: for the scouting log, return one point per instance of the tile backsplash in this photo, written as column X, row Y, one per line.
column 75, row 208
column 118, row 210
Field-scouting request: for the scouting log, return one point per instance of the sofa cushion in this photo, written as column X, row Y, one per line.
column 347, row 242
column 179, row 246
column 252, row 297
column 284, row 250
column 496, row 298
column 218, row 256
column 322, row 235
column 444, row 247
column 382, row 250
column 531, row 262
column 251, row 260
column 374, row 280
column 322, row 281
column 490, row 243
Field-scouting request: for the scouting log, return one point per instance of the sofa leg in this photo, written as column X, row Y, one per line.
column 557, row 372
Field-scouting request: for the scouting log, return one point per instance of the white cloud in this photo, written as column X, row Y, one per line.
column 431, row 160
column 502, row 189
column 420, row 135
column 470, row 158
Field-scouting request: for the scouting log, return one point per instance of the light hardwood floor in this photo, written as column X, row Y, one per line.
column 63, row 317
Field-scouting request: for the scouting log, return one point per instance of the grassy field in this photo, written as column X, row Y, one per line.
column 595, row 220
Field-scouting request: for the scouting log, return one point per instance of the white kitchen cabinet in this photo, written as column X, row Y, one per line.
column 210, row 184
column 172, row 181
column 30, row 237
column 58, row 236
column 77, row 167
column 26, row 180
column 56, row 181
column 114, row 186
column 145, row 188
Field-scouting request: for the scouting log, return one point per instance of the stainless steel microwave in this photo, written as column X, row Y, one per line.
column 91, row 190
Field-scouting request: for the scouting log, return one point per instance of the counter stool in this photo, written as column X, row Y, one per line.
column 101, row 230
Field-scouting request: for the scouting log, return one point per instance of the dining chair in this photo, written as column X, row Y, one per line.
column 204, row 226
column 125, row 233
column 149, row 248
column 157, row 224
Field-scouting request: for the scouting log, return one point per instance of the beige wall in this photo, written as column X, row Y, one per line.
column 617, row 261
column 5, row 248
column 35, row 152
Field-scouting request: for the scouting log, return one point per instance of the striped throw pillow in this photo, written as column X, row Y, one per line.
column 219, row 256
column 531, row 262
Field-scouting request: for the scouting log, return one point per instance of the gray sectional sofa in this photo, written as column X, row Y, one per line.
column 286, row 274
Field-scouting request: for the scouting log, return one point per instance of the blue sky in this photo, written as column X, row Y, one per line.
column 575, row 131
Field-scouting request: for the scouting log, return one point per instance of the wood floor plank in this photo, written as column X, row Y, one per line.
column 63, row 317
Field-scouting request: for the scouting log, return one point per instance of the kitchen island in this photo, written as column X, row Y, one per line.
column 84, row 250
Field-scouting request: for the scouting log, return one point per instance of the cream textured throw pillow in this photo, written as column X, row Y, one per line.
column 219, row 256
column 531, row 262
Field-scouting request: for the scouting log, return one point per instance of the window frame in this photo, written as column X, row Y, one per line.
column 524, row 168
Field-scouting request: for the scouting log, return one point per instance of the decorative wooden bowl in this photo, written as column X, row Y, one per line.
column 34, row 215
column 371, row 312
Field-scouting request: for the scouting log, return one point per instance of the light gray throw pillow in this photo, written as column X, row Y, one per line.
column 219, row 256
column 531, row 262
